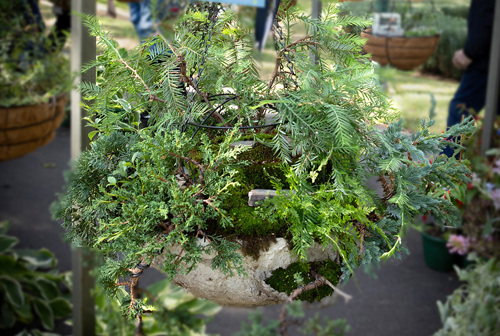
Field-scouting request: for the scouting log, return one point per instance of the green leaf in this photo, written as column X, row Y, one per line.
column 7, row 242
column 7, row 318
column 42, row 258
column 23, row 333
column 61, row 308
column 4, row 227
column 13, row 291
column 24, row 313
column 391, row 164
column 48, row 288
column 9, row 265
column 124, row 104
column 92, row 134
column 111, row 180
column 45, row 313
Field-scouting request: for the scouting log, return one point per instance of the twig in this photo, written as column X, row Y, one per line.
column 188, row 80
column 279, row 58
column 138, row 326
column 136, row 75
column 196, row 163
column 320, row 281
column 134, row 280
column 344, row 295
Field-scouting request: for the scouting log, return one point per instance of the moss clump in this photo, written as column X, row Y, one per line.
column 285, row 280
column 247, row 220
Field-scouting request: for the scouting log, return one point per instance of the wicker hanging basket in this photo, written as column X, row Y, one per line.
column 404, row 53
column 25, row 128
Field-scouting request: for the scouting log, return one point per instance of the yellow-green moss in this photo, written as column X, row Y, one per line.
column 256, row 175
column 284, row 280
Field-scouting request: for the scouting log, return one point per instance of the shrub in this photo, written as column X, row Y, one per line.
column 474, row 308
column 31, row 68
column 453, row 35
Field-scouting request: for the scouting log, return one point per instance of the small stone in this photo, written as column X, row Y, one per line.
column 257, row 195
column 248, row 143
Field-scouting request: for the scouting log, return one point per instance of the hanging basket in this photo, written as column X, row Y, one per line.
column 248, row 290
column 25, row 128
column 404, row 53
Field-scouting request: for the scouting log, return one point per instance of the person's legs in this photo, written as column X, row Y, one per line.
column 142, row 18
column 470, row 95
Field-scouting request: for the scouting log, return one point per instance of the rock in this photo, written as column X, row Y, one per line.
column 248, row 143
column 257, row 195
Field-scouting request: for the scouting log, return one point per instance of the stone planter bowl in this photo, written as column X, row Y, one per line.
column 245, row 291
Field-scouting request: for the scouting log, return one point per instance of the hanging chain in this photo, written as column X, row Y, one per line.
column 280, row 46
column 208, row 30
column 213, row 12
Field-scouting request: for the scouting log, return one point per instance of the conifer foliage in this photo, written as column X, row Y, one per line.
column 140, row 190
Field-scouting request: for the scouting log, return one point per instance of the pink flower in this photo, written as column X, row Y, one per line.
column 458, row 244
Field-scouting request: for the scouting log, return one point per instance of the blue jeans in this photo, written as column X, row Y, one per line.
column 470, row 95
column 141, row 15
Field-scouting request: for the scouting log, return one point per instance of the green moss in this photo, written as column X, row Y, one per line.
column 256, row 175
column 284, row 280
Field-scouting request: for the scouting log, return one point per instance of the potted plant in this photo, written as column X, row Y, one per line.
column 417, row 40
column 474, row 308
column 30, row 288
column 34, row 76
column 173, row 193
column 480, row 208
column 437, row 254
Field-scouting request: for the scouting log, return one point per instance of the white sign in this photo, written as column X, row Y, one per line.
column 387, row 24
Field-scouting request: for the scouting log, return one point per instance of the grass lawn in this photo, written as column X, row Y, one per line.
column 413, row 92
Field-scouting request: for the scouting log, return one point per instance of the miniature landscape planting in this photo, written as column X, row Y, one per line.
column 173, row 188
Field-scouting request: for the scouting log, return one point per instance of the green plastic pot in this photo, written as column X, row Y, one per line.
column 436, row 254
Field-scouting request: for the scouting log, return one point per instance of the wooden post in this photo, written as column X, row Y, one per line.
column 83, row 50
column 315, row 14
column 493, row 88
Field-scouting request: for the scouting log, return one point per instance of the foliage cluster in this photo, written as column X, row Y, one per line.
column 257, row 326
column 32, row 68
column 453, row 34
column 480, row 199
column 142, row 190
column 30, row 287
column 172, row 312
column 474, row 308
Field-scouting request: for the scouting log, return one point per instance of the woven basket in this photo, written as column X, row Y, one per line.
column 404, row 53
column 25, row 128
